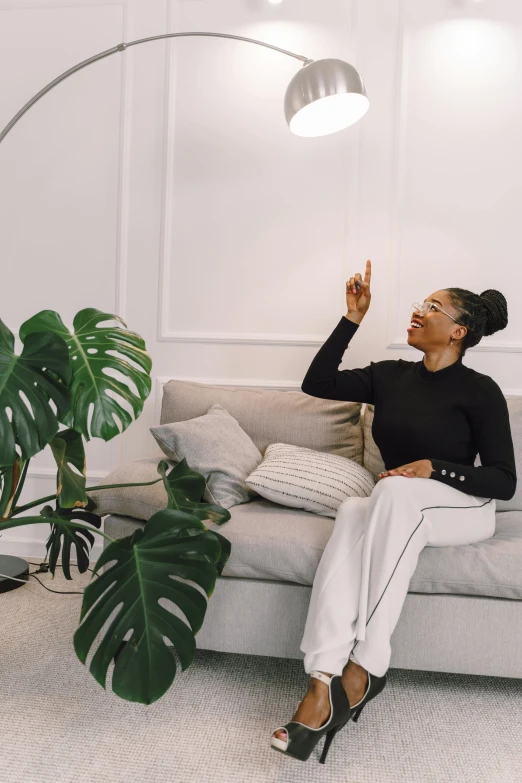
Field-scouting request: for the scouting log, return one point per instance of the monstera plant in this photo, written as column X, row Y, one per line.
column 57, row 379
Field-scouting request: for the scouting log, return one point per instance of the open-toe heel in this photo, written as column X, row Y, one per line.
column 301, row 739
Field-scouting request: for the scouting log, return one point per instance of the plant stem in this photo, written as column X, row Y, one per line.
column 11, row 477
column 110, row 486
column 21, row 482
column 6, row 488
column 20, row 509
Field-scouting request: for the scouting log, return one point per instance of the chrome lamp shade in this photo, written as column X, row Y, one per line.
column 325, row 96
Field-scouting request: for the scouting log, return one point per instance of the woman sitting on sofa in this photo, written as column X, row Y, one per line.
column 426, row 413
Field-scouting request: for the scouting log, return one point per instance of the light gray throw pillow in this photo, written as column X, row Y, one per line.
column 216, row 446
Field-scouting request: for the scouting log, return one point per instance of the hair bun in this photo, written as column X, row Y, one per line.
column 496, row 306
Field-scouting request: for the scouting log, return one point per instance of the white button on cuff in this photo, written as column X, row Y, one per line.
column 452, row 475
column 462, row 478
column 443, row 472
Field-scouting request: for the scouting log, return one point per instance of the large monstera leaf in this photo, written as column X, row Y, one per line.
column 172, row 544
column 91, row 350
column 42, row 373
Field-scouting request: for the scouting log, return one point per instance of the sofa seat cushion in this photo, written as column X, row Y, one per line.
column 286, row 544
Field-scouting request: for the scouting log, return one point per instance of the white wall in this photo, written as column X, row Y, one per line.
column 162, row 184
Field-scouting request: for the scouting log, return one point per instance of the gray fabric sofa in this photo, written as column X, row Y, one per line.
column 463, row 610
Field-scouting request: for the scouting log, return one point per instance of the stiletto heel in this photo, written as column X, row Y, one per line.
column 356, row 714
column 329, row 739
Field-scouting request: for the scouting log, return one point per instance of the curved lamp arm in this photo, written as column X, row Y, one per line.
column 120, row 48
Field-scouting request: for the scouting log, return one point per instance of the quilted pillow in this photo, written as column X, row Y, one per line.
column 312, row 480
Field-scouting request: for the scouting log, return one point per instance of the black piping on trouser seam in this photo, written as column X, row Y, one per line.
column 403, row 551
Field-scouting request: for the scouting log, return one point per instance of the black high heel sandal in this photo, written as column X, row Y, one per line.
column 374, row 687
column 302, row 739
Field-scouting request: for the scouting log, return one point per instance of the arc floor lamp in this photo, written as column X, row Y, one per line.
column 325, row 96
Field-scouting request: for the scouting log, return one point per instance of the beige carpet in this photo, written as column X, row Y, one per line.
column 214, row 724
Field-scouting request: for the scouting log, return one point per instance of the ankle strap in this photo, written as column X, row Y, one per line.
column 321, row 676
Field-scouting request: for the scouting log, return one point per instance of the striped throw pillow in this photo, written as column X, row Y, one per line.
column 312, row 480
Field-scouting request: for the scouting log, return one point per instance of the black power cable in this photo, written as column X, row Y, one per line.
column 43, row 569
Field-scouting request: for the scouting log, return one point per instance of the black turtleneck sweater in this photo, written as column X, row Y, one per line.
column 446, row 416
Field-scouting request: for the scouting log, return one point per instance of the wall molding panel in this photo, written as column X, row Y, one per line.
column 399, row 169
column 164, row 333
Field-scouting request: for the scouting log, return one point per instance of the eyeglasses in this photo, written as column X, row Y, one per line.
column 423, row 309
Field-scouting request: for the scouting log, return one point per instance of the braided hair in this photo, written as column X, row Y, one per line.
column 482, row 314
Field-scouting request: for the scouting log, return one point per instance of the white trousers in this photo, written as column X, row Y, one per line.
column 362, row 579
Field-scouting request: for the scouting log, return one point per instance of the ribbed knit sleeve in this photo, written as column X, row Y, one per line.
column 496, row 477
column 324, row 379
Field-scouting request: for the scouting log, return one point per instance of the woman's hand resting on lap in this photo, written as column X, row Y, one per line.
column 421, row 468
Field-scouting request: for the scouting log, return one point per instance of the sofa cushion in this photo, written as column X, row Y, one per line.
column 286, row 544
column 373, row 461
column 217, row 447
column 272, row 416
